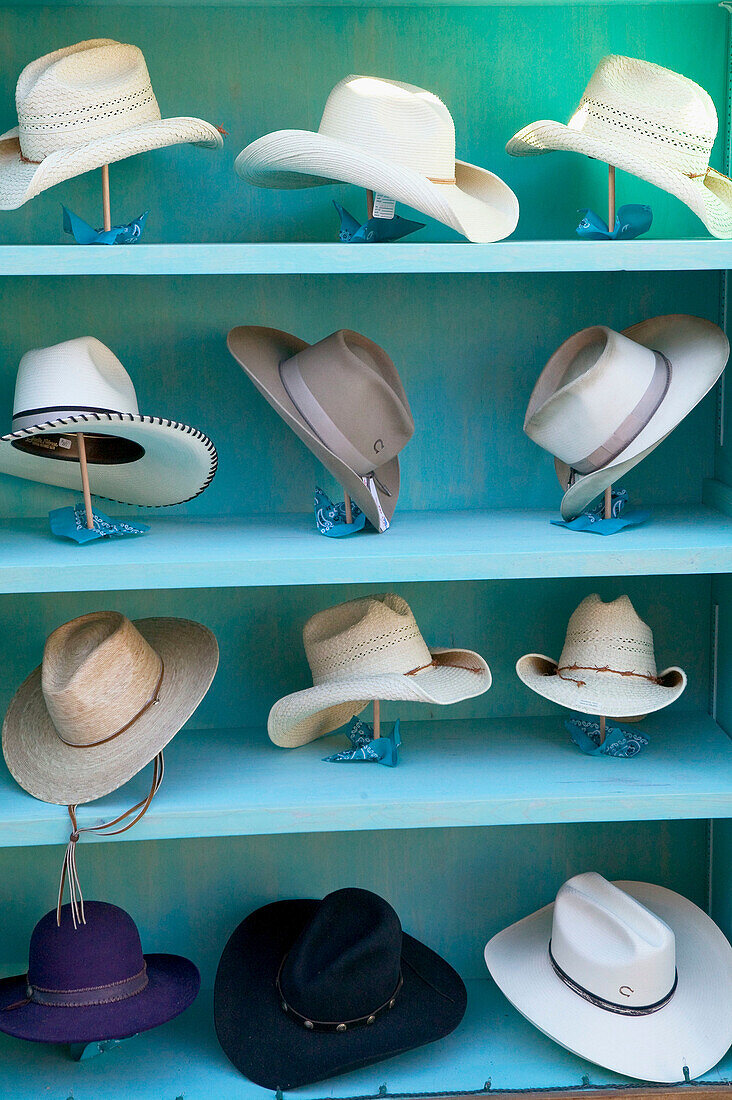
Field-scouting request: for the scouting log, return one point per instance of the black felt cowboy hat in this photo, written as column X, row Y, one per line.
column 306, row 990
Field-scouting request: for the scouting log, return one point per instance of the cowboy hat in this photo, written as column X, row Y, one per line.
column 343, row 397
column 393, row 138
column 607, row 665
column 82, row 107
column 606, row 399
column 81, row 386
column 370, row 648
column 90, row 982
column 306, row 990
column 108, row 697
column 651, row 122
column 630, row 975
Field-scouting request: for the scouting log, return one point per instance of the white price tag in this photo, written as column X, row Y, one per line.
column 383, row 207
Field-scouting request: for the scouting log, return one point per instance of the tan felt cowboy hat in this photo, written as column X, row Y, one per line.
column 393, row 138
column 344, row 399
column 607, row 665
column 606, row 399
column 108, row 697
column 370, row 648
column 82, row 107
column 649, row 121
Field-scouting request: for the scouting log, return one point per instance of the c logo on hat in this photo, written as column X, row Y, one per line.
column 378, row 445
column 626, row 990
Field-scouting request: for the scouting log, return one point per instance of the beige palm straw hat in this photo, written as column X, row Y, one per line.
column 370, row 648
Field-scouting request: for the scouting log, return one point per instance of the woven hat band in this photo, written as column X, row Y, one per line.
column 92, row 995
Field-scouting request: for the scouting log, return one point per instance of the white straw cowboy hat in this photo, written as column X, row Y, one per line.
column 394, row 138
column 606, row 399
column 607, row 665
column 370, row 648
column 108, row 697
column 632, row 976
column 82, row 107
column 81, row 386
column 343, row 397
column 651, row 122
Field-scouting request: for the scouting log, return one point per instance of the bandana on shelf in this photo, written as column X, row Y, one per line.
column 594, row 520
column 366, row 749
column 70, row 523
column 331, row 518
column 83, row 233
column 619, row 741
column 630, row 222
column 379, row 230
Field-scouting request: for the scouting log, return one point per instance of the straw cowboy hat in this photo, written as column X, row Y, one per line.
column 606, row 399
column 632, row 976
column 393, row 138
column 306, row 990
column 92, row 982
column 81, row 386
column 607, row 665
column 79, row 108
column 108, row 697
column 344, row 399
column 651, row 122
column 370, row 648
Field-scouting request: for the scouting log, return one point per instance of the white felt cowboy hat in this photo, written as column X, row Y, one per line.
column 370, row 648
column 606, row 399
column 81, row 386
column 343, row 397
column 393, row 138
column 651, row 122
column 607, row 665
column 632, row 976
column 82, row 107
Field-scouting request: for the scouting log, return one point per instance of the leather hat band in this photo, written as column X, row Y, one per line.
column 334, row 1025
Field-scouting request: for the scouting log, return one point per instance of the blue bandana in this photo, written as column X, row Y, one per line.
column 630, row 222
column 383, row 750
column 83, row 233
column 594, row 519
column 331, row 518
column 70, row 523
column 619, row 741
column 379, row 230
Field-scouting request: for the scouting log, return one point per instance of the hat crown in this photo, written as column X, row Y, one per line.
column 98, row 673
column 69, row 957
column 612, row 635
column 346, row 961
column 394, row 121
column 370, row 635
column 672, row 120
column 610, row 944
column 80, row 93
column 348, row 390
column 72, row 377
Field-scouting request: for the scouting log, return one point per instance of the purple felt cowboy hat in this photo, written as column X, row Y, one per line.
column 93, row 982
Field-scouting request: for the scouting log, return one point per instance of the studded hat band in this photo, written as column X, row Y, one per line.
column 610, row 1006
column 334, row 1025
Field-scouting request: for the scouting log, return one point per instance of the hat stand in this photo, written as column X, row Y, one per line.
column 106, row 208
column 377, row 718
column 347, row 501
column 608, row 511
column 81, row 444
column 370, row 204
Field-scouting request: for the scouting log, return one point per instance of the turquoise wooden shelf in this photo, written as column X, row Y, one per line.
column 344, row 259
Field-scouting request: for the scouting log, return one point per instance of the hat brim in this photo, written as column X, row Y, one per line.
column 259, row 351
column 605, row 693
column 698, row 351
column 178, row 463
column 693, row 1030
column 479, row 205
column 708, row 196
column 274, row 1051
column 42, row 764
column 21, row 180
column 172, row 985
column 314, row 712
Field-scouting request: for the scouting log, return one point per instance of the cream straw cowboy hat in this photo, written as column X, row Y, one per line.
column 651, row 122
column 370, row 648
column 81, row 386
column 79, row 108
column 630, row 975
column 607, row 665
column 606, row 399
column 343, row 397
column 394, row 138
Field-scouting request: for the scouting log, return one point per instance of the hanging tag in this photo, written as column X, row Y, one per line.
column 70, row 523
column 383, row 207
column 80, row 1052
column 370, row 484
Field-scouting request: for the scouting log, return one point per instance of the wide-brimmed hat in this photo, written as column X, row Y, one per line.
column 79, row 108
column 81, row 386
column 630, row 975
column 651, row 122
column 393, row 138
column 607, row 399
column 343, row 397
column 607, row 665
column 108, row 697
column 90, row 982
column 370, row 648
column 309, row 989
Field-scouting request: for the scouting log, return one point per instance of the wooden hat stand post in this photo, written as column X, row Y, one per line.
column 608, row 509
